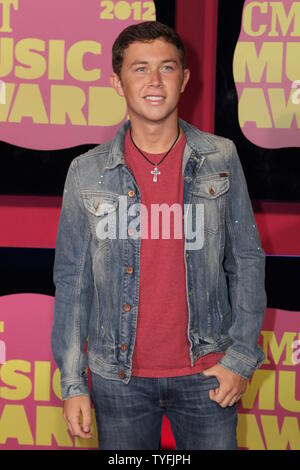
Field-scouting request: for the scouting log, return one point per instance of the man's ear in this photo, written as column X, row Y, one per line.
column 116, row 83
column 186, row 77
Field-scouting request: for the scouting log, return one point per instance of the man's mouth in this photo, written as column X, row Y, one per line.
column 154, row 98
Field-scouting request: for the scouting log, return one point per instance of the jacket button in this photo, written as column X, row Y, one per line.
column 131, row 193
column 124, row 347
column 126, row 308
column 129, row 269
column 121, row 374
column 211, row 191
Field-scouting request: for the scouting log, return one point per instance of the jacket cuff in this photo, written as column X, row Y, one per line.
column 240, row 364
column 73, row 388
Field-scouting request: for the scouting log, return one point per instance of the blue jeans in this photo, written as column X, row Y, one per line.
column 129, row 416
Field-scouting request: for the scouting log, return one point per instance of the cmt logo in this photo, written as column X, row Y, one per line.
column 2, row 92
column 2, row 345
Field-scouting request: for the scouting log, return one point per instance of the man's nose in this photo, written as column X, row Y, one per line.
column 155, row 78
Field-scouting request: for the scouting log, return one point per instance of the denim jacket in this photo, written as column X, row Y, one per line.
column 97, row 279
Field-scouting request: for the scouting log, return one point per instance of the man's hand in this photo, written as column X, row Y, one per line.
column 232, row 385
column 73, row 408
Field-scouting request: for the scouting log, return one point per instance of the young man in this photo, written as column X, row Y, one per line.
column 172, row 319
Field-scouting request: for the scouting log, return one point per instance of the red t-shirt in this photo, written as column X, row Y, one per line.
column 162, row 345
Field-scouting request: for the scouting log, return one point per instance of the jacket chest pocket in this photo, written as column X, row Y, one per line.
column 102, row 211
column 210, row 190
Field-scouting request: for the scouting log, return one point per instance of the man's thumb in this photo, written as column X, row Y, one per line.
column 86, row 423
column 208, row 372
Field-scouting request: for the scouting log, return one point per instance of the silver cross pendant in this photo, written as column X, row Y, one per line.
column 155, row 172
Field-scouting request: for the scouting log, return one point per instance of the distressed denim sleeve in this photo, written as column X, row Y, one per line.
column 244, row 266
column 72, row 277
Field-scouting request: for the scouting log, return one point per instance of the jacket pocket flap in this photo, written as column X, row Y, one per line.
column 211, row 188
column 100, row 204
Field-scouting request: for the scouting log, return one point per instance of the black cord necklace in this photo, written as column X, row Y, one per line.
column 155, row 172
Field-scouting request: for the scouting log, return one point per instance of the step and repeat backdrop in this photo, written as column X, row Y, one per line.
column 258, row 106
column 56, row 103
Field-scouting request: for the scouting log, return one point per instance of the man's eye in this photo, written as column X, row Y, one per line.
column 168, row 67
column 140, row 68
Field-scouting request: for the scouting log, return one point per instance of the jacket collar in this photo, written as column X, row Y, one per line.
column 197, row 140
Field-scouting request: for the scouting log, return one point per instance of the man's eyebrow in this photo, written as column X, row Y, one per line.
column 144, row 62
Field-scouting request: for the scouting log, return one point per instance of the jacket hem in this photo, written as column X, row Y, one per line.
column 112, row 371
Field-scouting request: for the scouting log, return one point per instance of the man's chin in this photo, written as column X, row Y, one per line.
column 152, row 117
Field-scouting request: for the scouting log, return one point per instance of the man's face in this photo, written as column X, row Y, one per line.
column 151, row 80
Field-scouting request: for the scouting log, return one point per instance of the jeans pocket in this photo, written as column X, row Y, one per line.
column 211, row 378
